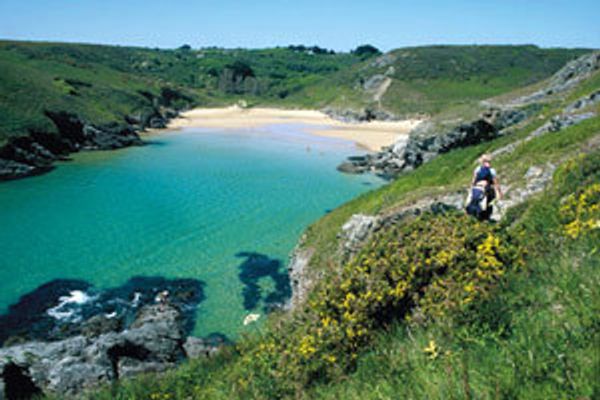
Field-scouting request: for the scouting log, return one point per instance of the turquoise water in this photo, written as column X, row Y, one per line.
column 181, row 207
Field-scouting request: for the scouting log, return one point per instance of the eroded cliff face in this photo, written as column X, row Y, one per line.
column 36, row 152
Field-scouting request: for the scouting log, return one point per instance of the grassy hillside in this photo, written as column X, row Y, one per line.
column 439, row 306
column 105, row 83
column 429, row 79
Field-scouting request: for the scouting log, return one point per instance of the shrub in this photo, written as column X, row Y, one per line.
column 422, row 271
column 580, row 213
column 366, row 50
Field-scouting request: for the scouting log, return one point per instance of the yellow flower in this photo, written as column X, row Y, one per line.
column 432, row 350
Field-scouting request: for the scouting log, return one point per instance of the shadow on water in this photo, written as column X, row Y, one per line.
column 67, row 307
column 154, row 142
column 258, row 266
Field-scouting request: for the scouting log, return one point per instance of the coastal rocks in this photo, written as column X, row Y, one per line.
column 355, row 232
column 34, row 154
column 79, row 134
column 364, row 115
column 537, row 178
column 65, row 308
column 300, row 280
column 427, row 142
column 153, row 118
column 359, row 228
column 154, row 342
column 199, row 347
column 12, row 169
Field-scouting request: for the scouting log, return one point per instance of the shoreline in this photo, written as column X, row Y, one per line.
column 369, row 135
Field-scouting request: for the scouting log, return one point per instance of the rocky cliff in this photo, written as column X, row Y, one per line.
column 36, row 153
column 154, row 342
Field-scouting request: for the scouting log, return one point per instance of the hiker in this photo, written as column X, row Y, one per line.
column 485, row 188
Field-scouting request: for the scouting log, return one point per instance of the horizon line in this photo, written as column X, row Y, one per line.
column 75, row 42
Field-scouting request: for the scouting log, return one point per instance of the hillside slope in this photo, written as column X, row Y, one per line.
column 397, row 292
column 424, row 302
column 58, row 98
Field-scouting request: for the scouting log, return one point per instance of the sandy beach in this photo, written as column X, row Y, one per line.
column 369, row 135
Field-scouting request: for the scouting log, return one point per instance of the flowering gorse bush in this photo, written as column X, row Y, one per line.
column 580, row 213
column 421, row 271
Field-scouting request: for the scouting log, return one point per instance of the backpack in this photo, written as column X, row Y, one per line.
column 477, row 202
column 484, row 174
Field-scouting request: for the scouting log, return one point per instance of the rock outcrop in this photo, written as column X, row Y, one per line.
column 566, row 78
column 36, row 152
column 355, row 232
column 300, row 281
column 154, row 342
column 359, row 228
column 572, row 114
column 356, row 116
column 427, row 142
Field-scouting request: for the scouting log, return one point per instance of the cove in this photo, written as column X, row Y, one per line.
column 223, row 208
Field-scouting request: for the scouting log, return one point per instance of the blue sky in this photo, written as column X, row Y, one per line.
column 336, row 24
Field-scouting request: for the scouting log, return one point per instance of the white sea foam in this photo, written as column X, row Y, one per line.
column 63, row 311
column 136, row 299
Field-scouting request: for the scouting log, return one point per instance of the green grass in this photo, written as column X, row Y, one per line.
column 536, row 339
column 431, row 79
column 34, row 77
column 448, row 172
column 534, row 336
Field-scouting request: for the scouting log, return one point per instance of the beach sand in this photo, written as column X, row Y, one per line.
column 369, row 135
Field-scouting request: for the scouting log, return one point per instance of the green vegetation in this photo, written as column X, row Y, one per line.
column 473, row 322
column 366, row 51
column 440, row 306
column 103, row 84
column 430, row 79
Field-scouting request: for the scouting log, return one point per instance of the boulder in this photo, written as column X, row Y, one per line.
column 154, row 342
column 354, row 233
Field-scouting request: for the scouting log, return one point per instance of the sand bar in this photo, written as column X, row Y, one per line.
column 370, row 135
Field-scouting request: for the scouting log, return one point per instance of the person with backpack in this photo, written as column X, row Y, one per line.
column 485, row 188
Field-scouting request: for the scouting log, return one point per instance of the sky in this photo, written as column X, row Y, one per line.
column 335, row 24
